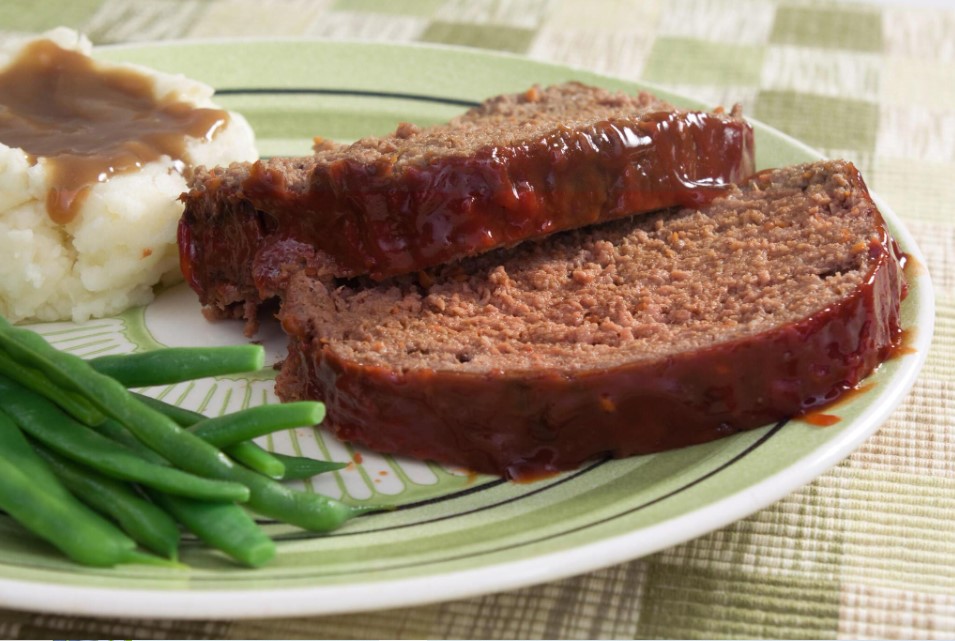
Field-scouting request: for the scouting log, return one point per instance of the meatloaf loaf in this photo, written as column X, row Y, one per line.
column 630, row 337
column 516, row 167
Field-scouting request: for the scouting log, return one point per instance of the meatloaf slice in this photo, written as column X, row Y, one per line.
column 516, row 167
column 635, row 336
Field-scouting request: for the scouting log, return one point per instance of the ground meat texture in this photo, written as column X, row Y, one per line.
column 634, row 336
column 517, row 167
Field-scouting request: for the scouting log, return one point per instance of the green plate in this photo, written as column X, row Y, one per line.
column 455, row 534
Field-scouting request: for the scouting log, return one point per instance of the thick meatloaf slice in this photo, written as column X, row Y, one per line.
column 635, row 336
column 516, row 167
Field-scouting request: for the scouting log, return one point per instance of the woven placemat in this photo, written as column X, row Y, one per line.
column 868, row 549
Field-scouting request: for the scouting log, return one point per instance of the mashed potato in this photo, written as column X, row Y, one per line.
column 122, row 240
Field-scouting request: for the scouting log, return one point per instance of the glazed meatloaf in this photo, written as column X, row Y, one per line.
column 630, row 337
column 514, row 168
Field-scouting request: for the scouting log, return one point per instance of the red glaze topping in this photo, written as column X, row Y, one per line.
column 524, row 425
column 383, row 220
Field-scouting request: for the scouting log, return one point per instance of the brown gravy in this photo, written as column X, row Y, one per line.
column 87, row 123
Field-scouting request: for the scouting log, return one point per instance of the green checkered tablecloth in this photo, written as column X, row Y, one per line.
column 867, row 549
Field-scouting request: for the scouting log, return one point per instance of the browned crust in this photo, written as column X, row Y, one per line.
column 526, row 422
column 384, row 207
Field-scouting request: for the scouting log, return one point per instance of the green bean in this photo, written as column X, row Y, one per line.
column 247, row 452
column 114, row 431
column 177, row 364
column 159, row 432
column 257, row 421
column 304, row 509
column 180, row 415
column 270, row 498
column 224, row 526
column 56, row 516
column 14, row 445
column 71, row 402
column 143, row 521
column 55, row 429
column 251, row 455
column 182, row 448
column 302, row 467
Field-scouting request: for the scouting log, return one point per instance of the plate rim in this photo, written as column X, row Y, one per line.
column 37, row 595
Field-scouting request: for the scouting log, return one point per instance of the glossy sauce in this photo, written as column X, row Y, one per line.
column 87, row 123
column 820, row 416
column 911, row 267
column 901, row 345
column 389, row 220
column 821, row 420
column 503, row 195
column 528, row 425
column 904, row 346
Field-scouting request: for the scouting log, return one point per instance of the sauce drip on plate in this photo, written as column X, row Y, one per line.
column 89, row 123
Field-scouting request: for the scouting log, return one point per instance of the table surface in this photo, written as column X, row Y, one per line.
column 873, row 83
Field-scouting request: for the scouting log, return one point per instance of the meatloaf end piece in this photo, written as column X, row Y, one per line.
column 516, row 167
column 635, row 336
